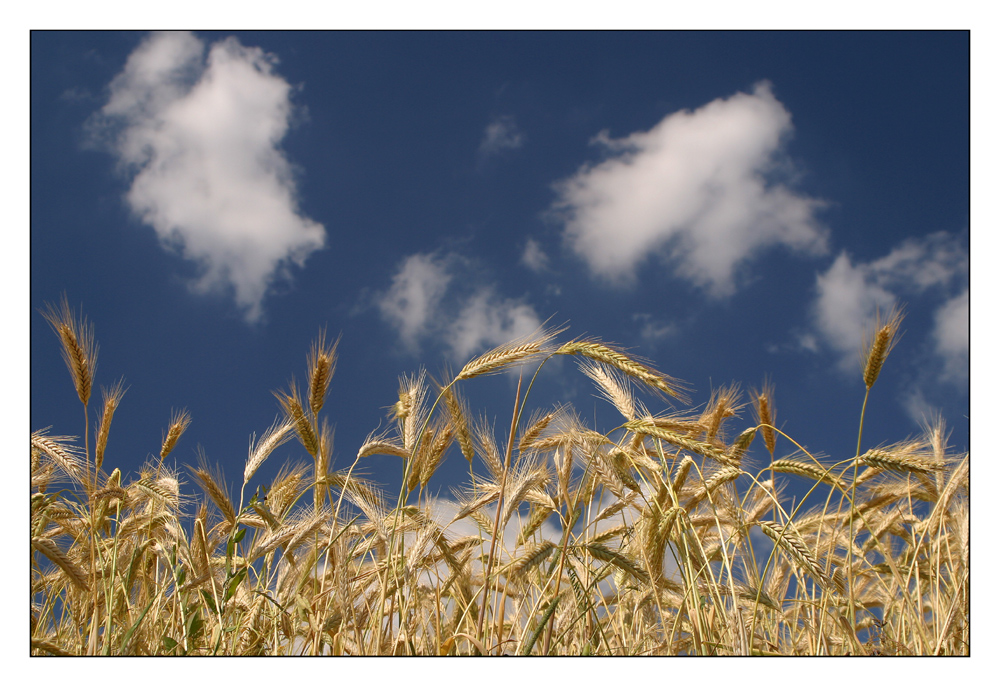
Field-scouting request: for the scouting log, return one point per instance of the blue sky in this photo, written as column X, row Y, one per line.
column 730, row 206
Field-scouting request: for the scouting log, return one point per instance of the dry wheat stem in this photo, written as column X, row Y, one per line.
column 303, row 581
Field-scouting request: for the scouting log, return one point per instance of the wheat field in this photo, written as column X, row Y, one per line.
column 655, row 537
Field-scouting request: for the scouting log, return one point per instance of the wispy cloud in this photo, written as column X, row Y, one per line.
column 534, row 257
column 848, row 295
column 200, row 138
column 701, row 189
column 653, row 331
column 440, row 299
column 501, row 134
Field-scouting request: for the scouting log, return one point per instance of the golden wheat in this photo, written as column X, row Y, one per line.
column 568, row 541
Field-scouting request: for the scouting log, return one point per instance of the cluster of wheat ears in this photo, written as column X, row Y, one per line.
column 658, row 537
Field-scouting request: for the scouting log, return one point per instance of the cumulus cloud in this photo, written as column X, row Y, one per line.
column 848, row 295
column 700, row 189
column 847, row 301
column 487, row 320
column 200, row 138
column 441, row 299
column 951, row 337
column 411, row 303
column 501, row 134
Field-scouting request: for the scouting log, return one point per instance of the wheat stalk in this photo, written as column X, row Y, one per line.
column 613, row 387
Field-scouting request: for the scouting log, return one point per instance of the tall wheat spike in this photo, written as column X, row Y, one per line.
column 179, row 421
column 881, row 341
column 322, row 364
column 112, row 397
column 79, row 348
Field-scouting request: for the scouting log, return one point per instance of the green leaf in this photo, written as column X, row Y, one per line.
column 209, row 601
column 194, row 625
column 526, row 651
column 127, row 640
column 169, row 643
column 234, row 583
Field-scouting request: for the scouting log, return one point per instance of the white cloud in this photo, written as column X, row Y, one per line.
column 951, row 337
column 848, row 295
column 411, row 303
column 486, row 320
column 501, row 134
column 200, row 138
column 533, row 257
column 467, row 320
column 699, row 189
column 846, row 303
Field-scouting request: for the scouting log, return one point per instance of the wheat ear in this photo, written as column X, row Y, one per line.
column 112, row 397
column 275, row 436
column 322, row 365
column 502, row 357
column 179, row 421
column 700, row 447
column 55, row 554
column 79, row 347
column 291, row 403
column 59, row 450
column 901, row 458
column 807, row 469
column 764, row 410
column 615, row 358
column 880, row 342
